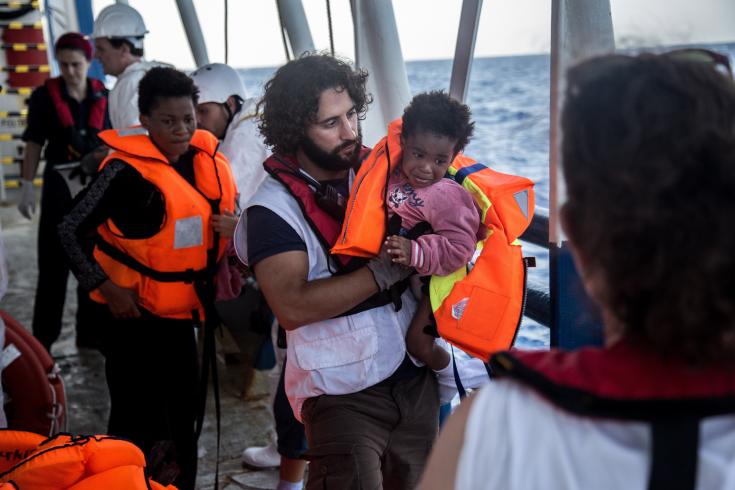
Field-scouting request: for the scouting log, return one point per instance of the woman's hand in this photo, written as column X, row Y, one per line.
column 399, row 249
column 123, row 302
column 224, row 224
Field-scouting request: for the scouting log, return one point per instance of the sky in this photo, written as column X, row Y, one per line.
column 427, row 28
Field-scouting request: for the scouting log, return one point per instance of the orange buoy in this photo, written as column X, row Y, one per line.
column 36, row 399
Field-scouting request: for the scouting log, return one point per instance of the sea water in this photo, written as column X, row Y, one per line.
column 509, row 99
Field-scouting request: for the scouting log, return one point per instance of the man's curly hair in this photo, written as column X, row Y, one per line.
column 649, row 162
column 436, row 112
column 291, row 100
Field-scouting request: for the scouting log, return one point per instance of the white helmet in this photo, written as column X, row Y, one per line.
column 217, row 82
column 120, row 21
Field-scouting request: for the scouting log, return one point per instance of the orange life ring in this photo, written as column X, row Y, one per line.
column 36, row 398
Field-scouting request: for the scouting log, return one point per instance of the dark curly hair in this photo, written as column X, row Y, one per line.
column 291, row 100
column 161, row 82
column 436, row 112
column 649, row 162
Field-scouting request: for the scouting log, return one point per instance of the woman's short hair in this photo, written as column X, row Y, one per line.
column 291, row 99
column 649, row 162
column 163, row 82
column 75, row 41
column 436, row 112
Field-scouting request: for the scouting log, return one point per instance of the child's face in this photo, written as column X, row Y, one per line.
column 426, row 157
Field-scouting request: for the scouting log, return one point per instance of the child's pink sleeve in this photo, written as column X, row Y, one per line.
column 455, row 220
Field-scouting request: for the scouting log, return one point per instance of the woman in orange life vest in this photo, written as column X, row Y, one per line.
column 66, row 112
column 649, row 164
column 150, row 209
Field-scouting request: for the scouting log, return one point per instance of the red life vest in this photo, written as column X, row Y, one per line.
column 96, row 119
column 630, row 383
column 285, row 169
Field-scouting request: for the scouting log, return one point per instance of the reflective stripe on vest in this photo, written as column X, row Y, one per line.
column 186, row 236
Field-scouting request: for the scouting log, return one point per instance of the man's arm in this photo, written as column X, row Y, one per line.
column 296, row 301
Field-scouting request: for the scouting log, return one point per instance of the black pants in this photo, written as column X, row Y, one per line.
column 53, row 271
column 290, row 436
column 152, row 374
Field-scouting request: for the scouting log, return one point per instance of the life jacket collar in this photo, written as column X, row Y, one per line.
column 135, row 141
column 624, row 380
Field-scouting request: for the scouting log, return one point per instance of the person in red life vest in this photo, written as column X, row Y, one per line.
column 155, row 255
column 435, row 128
column 369, row 412
column 65, row 114
column 649, row 162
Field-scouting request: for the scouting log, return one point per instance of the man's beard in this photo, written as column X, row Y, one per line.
column 332, row 161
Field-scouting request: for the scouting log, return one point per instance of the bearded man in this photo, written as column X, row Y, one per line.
column 370, row 413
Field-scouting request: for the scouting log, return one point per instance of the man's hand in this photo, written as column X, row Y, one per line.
column 224, row 224
column 399, row 248
column 385, row 271
column 27, row 202
column 121, row 301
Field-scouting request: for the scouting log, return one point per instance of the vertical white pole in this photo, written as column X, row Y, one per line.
column 580, row 29
column 378, row 50
column 193, row 30
column 465, row 48
column 296, row 26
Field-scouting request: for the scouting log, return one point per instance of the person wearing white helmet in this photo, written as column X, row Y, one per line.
column 225, row 110
column 118, row 36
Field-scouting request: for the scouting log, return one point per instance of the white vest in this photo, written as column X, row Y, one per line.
column 516, row 439
column 244, row 148
column 342, row 355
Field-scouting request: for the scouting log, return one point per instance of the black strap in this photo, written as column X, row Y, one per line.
column 188, row 276
column 457, row 380
column 674, row 453
column 205, row 292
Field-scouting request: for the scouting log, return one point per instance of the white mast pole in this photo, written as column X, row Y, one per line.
column 378, row 50
column 465, row 48
column 580, row 29
column 193, row 30
column 294, row 22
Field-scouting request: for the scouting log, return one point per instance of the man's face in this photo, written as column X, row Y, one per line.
column 112, row 59
column 332, row 142
column 212, row 116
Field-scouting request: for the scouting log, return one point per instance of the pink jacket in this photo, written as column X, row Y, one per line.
column 452, row 214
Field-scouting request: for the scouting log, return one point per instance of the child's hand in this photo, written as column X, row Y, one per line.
column 224, row 224
column 399, row 249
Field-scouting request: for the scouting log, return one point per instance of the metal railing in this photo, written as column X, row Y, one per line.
column 538, row 301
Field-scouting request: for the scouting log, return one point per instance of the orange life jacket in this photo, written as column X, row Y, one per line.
column 477, row 308
column 80, row 463
column 162, row 269
column 17, row 445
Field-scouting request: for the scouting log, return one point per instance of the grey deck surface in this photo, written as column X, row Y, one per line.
column 245, row 418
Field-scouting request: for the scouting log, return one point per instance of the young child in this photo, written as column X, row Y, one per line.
column 435, row 129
